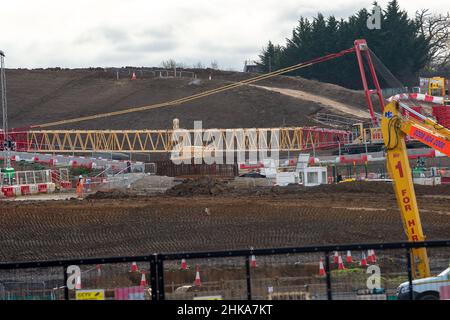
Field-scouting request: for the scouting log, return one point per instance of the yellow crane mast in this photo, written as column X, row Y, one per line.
column 395, row 127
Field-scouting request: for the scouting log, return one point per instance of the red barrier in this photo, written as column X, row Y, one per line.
column 8, row 191
column 42, row 188
column 25, row 189
column 66, row 185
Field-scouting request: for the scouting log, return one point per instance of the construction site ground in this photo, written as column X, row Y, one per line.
column 219, row 216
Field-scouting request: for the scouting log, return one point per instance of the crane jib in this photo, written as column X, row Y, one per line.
column 430, row 140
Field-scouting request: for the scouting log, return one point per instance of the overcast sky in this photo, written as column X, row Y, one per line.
column 83, row 33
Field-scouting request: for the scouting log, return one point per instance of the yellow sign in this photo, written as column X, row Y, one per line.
column 90, row 295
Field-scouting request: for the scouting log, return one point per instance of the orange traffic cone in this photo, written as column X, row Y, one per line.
column 78, row 283
column 363, row 262
column 321, row 268
column 143, row 280
column 341, row 264
column 349, row 257
column 183, row 264
column 134, row 267
column 133, row 76
column 369, row 256
column 336, row 257
column 197, row 281
column 253, row 261
column 374, row 257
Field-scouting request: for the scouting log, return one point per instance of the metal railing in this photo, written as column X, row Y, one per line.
column 314, row 272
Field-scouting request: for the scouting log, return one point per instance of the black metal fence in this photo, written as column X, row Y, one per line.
column 363, row 272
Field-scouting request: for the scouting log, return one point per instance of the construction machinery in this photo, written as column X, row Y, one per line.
column 395, row 127
column 437, row 86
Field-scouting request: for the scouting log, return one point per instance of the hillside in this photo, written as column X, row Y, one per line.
column 41, row 96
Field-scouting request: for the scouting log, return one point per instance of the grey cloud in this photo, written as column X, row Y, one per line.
column 101, row 34
column 224, row 48
column 157, row 45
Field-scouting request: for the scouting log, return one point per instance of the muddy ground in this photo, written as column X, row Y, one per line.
column 134, row 225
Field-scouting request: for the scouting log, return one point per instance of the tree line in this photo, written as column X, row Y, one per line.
column 405, row 46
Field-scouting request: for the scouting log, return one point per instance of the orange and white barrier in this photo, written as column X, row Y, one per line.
column 419, row 97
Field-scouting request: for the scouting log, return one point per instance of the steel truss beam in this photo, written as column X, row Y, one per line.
column 160, row 141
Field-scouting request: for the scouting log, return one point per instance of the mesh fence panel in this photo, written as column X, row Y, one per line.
column 215, row 278
column 368, row 274
column 32, row 284
column 378, row 274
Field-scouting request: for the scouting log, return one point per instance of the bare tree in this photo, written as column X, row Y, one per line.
column 169, row 64
column 214, row 65
column 436, row 32
column 198, row 65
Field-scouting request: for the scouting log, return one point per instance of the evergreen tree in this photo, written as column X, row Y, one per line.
column 270, row 58
column 399, row 45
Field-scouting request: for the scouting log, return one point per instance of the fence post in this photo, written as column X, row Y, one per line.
column 66, row 289
column 153, row 277
column 248, row 276
column 160, row 267
column 328, row 275
column 410, row 277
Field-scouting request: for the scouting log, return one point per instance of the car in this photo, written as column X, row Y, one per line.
column 252, row 175
column 426, row 288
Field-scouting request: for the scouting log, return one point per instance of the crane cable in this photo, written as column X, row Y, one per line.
column 202, row 94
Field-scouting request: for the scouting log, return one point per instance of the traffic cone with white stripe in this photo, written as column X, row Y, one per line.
column 363, row 262
column 336, row 257
column 369, row 256
column 349, row 257
column 373, row 257
column 321, row 268
column 133, row 76
column 253, row 261
column 197, row 281
column 341, row 264
column 134, row 267
column 143, row 279
column 183, row 264
column 78, row 283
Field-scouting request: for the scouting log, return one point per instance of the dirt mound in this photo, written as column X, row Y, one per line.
column 376, row 187
column 41, row 96
column 216, row 186
column 204, row 185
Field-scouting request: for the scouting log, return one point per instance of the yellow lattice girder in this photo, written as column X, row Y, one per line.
column 139, row 141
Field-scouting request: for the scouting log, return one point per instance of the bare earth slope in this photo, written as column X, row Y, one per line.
column 40, row 96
